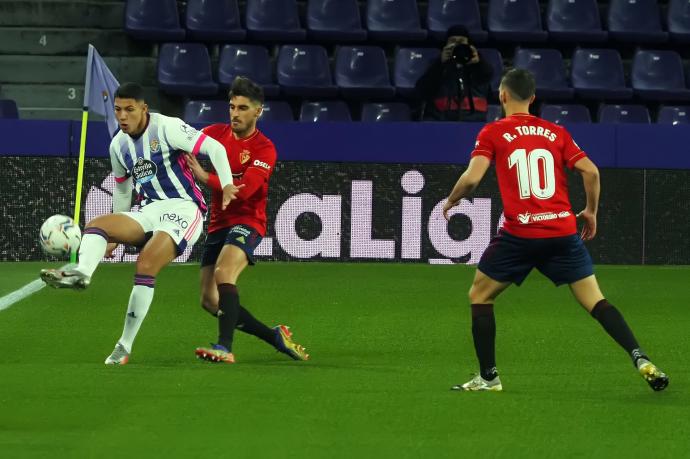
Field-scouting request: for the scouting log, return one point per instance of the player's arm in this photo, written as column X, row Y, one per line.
column 122, row 193
column 590, row 179
column 468, row 181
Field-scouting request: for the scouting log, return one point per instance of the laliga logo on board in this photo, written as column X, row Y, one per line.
column 244, row 156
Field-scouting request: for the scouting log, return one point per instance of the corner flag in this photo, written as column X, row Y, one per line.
column 99, row 92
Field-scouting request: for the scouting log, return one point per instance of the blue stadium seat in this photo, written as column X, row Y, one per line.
column 598, row 74
column 443, row 14
column 516, row 20
column 410, row 65
column 251, row 61
column 494, row 113
column 678, row 20
column 8, row 109
column 206, row 112
column 304, row 70
column 362, row 71
column 574, row 21
column 274, row 20
column 623, row 114
column 635, row 21
column 214, row 20
column 394, row 111
column 674, row 115
column 548, row 69
column 185, row 68
column 335, row 20
column 560, row 114
column 658, row 75
column 494, row 58
column 156, row 20
column 394, row 20
column 332, row 110
column 277, row 110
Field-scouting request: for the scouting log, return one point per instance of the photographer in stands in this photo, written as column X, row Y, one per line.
column 456, row 87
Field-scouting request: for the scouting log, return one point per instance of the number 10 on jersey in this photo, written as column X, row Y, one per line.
column 528, row 167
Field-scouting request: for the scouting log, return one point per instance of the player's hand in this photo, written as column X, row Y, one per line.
column 230, row 193
column 109, row 249
column 447, row 52
column 199, row 173
column 589, row 224
column 447, row 206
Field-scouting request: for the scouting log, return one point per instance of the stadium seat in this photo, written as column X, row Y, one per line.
column 362, row 71
column 598, row 74
column 395, row 111
column 674, row 115
column 560, row 114
column 623, row 114
column 494, row 58
column 394, row 20
column 156, row 20
column 214, row 20
column 494, row 113
column 548, row 69
column 410, row 65
column 332, row 110
column 274, row 20
column 658, row 75
column 678, row 20
column 515, row 20
column 247, row 60
column 335, row 20
column 574, row 21
column 8, row 109
column 304, row 70
column 185, row 69
column 443, row 14
column 277, row 110
column 635, row 21
column 206, row 112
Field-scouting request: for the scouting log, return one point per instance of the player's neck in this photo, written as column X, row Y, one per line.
column 513, row 109
column 142, row 127
column 244, row 134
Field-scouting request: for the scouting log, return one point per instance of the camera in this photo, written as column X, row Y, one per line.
column 462, row 54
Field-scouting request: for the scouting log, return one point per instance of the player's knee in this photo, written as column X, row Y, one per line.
column 476, row 295
column 209, row 304
column 146, row 266
column 224, row 274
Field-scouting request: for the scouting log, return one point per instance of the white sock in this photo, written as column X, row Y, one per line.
column 139, row 302
column 91, row 250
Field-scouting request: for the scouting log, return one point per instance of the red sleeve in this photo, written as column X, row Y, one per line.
column 264, row 160
column 572, row 153
column 253, row 179
column 214, row 182
column 484, row 146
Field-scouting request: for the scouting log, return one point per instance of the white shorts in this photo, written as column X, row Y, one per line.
column 179, row 218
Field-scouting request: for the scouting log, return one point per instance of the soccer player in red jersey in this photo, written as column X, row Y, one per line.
column 540, row 229
column 234, row 233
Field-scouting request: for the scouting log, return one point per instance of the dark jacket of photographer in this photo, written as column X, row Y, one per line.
column 441, row 84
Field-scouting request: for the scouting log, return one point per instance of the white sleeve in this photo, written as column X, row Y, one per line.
column 182, row 136
column 122, row 196
column 119, row 169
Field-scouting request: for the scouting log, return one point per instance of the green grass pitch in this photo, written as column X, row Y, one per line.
column 387, row 342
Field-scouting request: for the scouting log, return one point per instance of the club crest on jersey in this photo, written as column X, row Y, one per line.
column 244, row 156
column 155, row 146
column 144, row 170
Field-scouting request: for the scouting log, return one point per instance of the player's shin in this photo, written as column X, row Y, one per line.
column 484, row 336
column 613, row 322
column 228, row 313
column 139, row 303
column 91, row 251
column 251, row 325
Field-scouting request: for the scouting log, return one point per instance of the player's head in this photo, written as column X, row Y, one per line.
column 130, row 108
column 517, row 87
column 246, row 103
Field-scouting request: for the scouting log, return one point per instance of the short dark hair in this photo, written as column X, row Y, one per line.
column 130, row 91
column 243, row 86
column 520, row 83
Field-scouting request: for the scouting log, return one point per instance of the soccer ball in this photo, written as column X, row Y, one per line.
column 60, row 236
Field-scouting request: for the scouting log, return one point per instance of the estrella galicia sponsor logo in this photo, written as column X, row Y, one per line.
column 524, row 218
column 179, row 220
column 155, row 146
column 189, row 131
column 261, row 164
column 144, row 170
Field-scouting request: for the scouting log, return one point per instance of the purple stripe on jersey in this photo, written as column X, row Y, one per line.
column 169, row 188
column 184, row 175
column 147, row 188
column 97, row 232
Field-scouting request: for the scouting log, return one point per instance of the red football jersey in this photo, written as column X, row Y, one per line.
column 530, row 155
column 252, row 161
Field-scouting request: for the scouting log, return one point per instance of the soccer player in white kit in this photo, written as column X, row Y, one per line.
column 149, row 153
